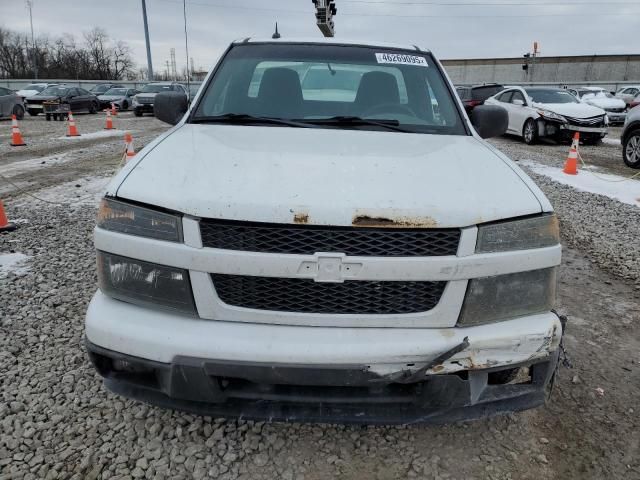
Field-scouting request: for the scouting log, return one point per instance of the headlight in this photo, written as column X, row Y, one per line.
column 134, row 220
column 492, row 299
column 536, row 232
column 134, row 101
column 551, row 115
column 145, row 283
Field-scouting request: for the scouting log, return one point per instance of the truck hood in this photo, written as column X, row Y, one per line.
column 327, row 177
column 574, row 110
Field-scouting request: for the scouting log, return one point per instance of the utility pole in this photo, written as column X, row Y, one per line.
column 33, row 43
column 146, row 37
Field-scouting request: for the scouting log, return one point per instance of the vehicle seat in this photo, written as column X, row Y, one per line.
column 280, row 94
column 376, row 88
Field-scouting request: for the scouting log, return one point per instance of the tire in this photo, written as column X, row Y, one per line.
column 18, row 111
column 48, row 117
column 631, row 149
column 33, row 112
column 137, row 113
column 125, row 105
column 530, row 132
column 93, row 107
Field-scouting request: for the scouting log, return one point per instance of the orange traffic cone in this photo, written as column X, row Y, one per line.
column 73, row 131
column 128, row 140
column 16, row 136
column 571, row 165
column 5, row 226
column 114, row 112
column 109, row 124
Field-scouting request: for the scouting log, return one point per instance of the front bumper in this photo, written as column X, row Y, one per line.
column 144, row 107
column 294, row 373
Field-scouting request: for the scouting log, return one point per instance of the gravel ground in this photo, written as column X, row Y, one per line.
column 57, row 420
column 603, row 228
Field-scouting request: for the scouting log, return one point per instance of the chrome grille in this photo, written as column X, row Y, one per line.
column 587, row 122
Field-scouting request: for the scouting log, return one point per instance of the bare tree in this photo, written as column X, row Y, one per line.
column 98, row 58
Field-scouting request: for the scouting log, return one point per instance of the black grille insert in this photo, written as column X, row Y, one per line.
column 309, row 239
column 307, row 296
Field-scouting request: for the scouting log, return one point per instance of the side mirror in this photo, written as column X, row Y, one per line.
column 490, row 120
column 518, row 102
column 170, row 107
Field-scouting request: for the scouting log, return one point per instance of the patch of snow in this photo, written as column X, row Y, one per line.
column 98, row 134
column 16, row 168
column 612, row 186
column 13, row 262
column 611, row 141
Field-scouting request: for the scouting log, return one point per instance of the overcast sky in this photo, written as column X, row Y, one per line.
column 450, row 28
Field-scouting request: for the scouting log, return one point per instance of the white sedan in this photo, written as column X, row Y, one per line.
column 616, row 108
column 536, row 112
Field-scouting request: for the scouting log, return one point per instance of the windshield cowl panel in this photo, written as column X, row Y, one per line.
column 332, row 86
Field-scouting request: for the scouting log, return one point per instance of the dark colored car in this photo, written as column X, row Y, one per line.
column 10, row 104
column 476, row 95
column 101, row 88
column 143, row 101
column 55, row 102
column 631, row 139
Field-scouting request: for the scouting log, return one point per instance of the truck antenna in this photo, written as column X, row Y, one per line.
column 276, row 34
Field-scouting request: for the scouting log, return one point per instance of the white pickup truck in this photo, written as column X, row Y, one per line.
column 343, row 249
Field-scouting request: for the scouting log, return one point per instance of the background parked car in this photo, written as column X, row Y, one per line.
column 103, row 87
column 536, row 112
column 143, row 101
column 635, row 102
column 10, row 104
column 33, row 89
column 121, row 97
column 628, row 94
column 64, row 99
column 631, row 139
column 602, row 98
column 476, row 95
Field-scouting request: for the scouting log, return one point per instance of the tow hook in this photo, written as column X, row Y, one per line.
column 408, row 376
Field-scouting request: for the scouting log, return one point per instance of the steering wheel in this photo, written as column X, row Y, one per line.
column 389, row 108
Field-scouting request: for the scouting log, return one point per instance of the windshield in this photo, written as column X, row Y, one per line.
column 100, row 88
column 156, row 88
column 55, row 91
column 321, row 82
column 551, row 96
column 116, row 92
column 37, row 88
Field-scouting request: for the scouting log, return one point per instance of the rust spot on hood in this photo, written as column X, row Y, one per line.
column 393, row 222
column 301, row 217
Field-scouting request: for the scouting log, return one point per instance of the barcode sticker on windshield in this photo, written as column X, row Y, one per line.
column 401, row 59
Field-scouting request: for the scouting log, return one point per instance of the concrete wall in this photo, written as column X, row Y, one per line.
column 607, row 70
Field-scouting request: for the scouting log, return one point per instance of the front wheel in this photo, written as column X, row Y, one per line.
column 137, row 113
column 125, row 105
column 530, row 132
column 18, row 111
column 631, row 149
column 93, row 107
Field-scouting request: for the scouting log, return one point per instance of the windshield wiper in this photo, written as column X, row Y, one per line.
column 346, row 120
column 241, row 118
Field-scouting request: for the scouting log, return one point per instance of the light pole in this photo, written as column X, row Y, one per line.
column 33, row 43
column 146, row 37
